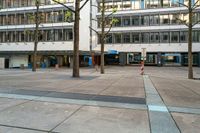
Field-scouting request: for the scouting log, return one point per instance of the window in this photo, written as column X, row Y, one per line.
column 175, row 37
column 126, row 21
column 119, row 22
column 144, row 20
column 154, row 20
column 164, row 19
column 126, row 5
column 145, row 37
column 126, row 38
column 117, row 38
column 173, row 18
column 109, row 39
column 164, row 37
column 154, row 37
column 135, row 20
column 183, row 36
column 136, row 37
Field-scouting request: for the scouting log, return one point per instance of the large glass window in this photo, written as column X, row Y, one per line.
column 126, row 5
column 145, row 37
column 173, row 18
column 154, row 37
column 164, row 19
column 165, row 3
column 117, row 37
column 144, row 20
column 126, row 21
column 196, row 36
column 175, row 37
column 126, row 38
column 183, row 36
column 164, row 37
column 136, row 4
column 136, row 37
column 154, row 19
column 109, row 39
column 135, row 20
column 119, row 23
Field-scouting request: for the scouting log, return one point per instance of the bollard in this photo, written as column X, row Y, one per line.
column 142, row 68
column 56, row 66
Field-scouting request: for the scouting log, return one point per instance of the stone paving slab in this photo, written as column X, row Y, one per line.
column 6, row 103
column 37, row 115
column 79, row 96
column 174, row 94
column 188, row 123
column 161, row 122
column 17, row 130
column 106, row 120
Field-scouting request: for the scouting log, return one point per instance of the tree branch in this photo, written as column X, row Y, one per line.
column 183, row 4
column 196, row 23
column 108, row 31
column 83, row 5
column 182, row 21
column 195, row 5
column 94, row 30
column 96, row 7
column 95, row 19
column 109, row 15
column 64, row 6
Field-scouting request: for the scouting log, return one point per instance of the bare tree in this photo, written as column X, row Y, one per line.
column 37, row 4
column 104, row 24
column 37, row 18
column 190, row 23
column 76, row 11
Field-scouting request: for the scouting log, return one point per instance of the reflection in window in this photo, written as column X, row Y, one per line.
column 164, row 37
column 175, row 37
column 145, row 37
column 126, row 38
column 117, row 38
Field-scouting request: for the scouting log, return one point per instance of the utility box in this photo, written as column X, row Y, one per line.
column 2, row 63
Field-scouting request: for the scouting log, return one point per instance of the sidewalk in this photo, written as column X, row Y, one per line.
column 120, row 101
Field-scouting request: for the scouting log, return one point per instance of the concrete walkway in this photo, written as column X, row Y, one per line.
column 120, row 101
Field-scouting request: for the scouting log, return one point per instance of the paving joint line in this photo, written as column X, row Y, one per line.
column 26, row 128
column 67, row 118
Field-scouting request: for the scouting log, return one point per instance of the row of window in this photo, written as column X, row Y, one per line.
column 25, row 3
column 44, row 35
column 143, row 4
column 151, row 37
column 146, row 20
column 27, row 18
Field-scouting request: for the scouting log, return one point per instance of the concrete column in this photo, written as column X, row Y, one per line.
column 182, row 59
column 122, row 59
column 159, row 60
column 198, row 59
column 71, row 61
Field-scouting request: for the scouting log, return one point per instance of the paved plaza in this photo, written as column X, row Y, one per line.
column 120, row 101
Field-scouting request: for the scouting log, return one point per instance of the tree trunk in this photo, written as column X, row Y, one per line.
column 36, row 36
column 76, row 40
column 190, row 59
column 102, row 36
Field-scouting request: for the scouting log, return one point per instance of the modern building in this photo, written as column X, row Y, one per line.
column 149, row 24
column 153, row 25
column 55, row 35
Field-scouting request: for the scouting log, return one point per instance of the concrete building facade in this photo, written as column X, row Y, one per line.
column 149, row 24
column 153, row 25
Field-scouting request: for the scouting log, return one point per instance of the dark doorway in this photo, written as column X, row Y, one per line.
column 6, row 63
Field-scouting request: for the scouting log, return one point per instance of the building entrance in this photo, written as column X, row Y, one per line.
column 172, row 59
